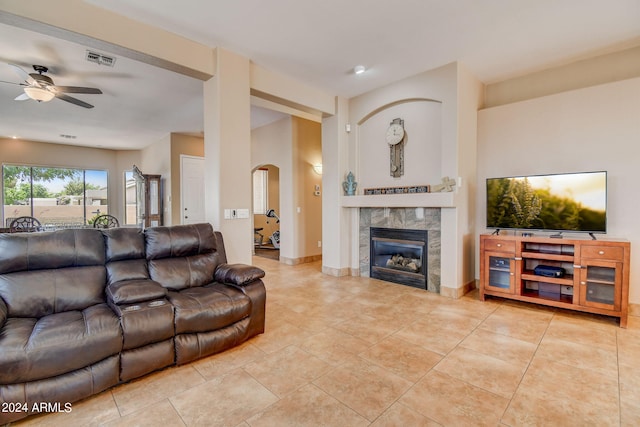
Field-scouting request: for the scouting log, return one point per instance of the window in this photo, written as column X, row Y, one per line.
column 130, row 198
column 55, row 196
column 260, row 193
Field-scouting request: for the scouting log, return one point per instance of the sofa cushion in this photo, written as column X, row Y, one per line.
column 123, row 243
column 190, row 347
column 145, row 323
column 46, row 273
column 125, row 254
column 183, row 272
column 179, row 241
column 37, row 251
column 208, row 308
column 63, row 389
column 42, row 292
column 34, row 349
column 133, row 291
column 183, row 256
column 133, row 269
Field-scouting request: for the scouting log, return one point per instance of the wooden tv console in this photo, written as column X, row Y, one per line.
column 595, row 279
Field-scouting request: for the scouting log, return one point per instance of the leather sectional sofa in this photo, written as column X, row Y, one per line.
column 83, row 310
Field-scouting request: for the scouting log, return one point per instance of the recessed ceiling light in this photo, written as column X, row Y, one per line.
column 359, row 69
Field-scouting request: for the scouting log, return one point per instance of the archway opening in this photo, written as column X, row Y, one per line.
column 266, row 211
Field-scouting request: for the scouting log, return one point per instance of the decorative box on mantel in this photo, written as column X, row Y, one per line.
column 416, row 200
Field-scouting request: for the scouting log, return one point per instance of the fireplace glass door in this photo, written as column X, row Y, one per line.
column 399, row 256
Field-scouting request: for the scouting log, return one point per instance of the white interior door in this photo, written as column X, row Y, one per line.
column 192, row 189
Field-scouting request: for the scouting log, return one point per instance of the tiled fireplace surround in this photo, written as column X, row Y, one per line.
column 403, row 218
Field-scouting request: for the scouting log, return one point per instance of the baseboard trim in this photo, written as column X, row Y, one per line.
column 456, row 293
column 301, row 260
column 336, row 272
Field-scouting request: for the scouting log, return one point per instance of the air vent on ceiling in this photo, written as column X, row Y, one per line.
column 101, row 59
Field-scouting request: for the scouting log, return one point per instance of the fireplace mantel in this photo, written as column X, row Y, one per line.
column 419, row 200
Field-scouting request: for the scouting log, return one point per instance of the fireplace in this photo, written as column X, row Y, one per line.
column 399, row 256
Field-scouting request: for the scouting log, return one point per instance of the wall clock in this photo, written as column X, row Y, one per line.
column 395, row 139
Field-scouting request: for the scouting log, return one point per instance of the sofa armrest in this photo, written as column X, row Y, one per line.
column 3, row 312
column 134, row 291
column 237, row 274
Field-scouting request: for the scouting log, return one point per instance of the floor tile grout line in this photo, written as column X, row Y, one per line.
column 526, row 370
column 444, row 373
column 278, row 398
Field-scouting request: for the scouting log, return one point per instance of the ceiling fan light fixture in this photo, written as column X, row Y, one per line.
column 39, row 94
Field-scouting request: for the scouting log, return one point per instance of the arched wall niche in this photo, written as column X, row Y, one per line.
column 422, row 145
column 391, row 104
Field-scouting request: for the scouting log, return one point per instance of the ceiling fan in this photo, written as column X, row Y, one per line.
column 39, row 87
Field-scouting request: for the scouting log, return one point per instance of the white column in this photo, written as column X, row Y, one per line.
column 336, row 220
column 227, row 152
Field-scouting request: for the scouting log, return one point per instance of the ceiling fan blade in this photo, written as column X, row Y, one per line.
column 78, row 89
column 72, row 100
column 21, row 97
column 13, row 83
column 23, row 74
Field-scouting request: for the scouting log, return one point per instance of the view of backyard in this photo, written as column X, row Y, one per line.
column 57, row 197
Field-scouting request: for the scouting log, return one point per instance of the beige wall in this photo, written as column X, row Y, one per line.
column 271, row 145
column 155, row 159
column 615, row 66
column 337, row 241
column 307, row 141
column 594, row 128
column 470, row 98
column 294, row 146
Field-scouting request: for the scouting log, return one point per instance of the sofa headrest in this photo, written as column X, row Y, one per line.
column 123, row 243
column 179, row 241
column 58, row 249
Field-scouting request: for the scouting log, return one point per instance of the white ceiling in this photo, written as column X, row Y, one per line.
column 318, row 43
column 140, row 103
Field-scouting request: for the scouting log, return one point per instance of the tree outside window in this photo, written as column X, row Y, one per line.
column 55, row 196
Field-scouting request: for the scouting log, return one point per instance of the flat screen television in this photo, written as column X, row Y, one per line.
column 574, row 202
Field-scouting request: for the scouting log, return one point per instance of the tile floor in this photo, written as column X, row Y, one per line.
column 355, row 352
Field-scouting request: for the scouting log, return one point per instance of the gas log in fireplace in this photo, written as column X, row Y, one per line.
column 399, row 256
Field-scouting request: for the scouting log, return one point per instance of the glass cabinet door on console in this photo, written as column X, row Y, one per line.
column 499, row 270
column 598, row 284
